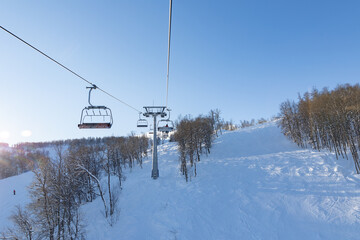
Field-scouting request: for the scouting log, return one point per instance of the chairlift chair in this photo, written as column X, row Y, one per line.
column 95, row 117
column 142, row 122
column 151, row 130
column 166, row 125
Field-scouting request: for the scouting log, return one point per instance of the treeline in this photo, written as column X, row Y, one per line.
column 194, row 136
column 22, row 157
column 325, row 120
column 36, row 145
column 76, row 173
column 231, row 126
column 15, row 161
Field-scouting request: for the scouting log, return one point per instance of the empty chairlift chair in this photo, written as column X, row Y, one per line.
column 95, row 117
column 142, row 122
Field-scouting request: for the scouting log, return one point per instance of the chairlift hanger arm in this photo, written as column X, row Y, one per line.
column 168, row 109
column 91, row 88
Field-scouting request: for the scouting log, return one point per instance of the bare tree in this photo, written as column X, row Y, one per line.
column 192, row 136
column 325, row 120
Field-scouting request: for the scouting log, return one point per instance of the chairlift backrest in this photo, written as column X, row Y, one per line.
column 142, row 123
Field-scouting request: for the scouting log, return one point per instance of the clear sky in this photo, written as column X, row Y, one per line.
column 243, row 57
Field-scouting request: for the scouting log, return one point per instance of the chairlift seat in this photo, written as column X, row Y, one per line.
column 165, row 126
column 94, row 125
column 165, row 129
column 142, row 123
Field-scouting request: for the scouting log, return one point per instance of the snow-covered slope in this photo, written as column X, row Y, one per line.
column 8, row 200
column 255, row 184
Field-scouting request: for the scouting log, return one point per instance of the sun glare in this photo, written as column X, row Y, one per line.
column 26, row 133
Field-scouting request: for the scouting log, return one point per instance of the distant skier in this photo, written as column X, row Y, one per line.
column 14, row 192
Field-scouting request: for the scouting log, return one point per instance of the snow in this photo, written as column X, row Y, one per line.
column 255, row 184
column 7, row 198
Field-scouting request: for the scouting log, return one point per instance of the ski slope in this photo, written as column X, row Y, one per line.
column 8, row 200
column 255, row 184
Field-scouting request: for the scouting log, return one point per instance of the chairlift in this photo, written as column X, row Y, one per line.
column 95, row 116
column 142, row 122
column 151, row 130
column 166, row 125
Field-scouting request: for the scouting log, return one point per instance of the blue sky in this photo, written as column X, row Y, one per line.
column 243, row 57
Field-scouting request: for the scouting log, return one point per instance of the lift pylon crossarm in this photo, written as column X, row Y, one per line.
column 155, row 110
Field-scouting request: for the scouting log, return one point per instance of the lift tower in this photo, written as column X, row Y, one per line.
column 154, row 112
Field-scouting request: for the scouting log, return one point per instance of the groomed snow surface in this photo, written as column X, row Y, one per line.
column 255, row 184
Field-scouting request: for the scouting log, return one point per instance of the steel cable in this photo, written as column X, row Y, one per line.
column 82, row 78
column 168, row 58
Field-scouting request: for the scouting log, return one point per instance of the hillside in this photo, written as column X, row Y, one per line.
column 255, row 184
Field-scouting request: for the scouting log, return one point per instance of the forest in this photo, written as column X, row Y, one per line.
column 76, row 172
column 326, row 119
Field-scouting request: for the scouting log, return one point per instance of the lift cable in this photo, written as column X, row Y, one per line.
column 168, row 58
column 68, row 69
